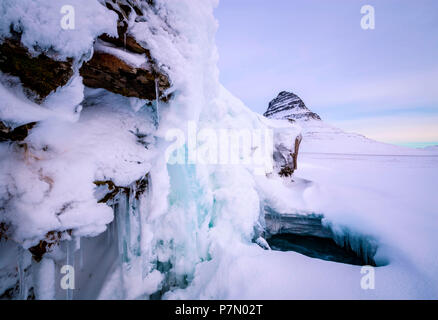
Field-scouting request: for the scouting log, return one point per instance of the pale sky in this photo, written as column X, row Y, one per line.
column 382, row 83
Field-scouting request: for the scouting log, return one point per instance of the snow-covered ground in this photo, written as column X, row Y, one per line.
column 363, row 187
column 390, row 197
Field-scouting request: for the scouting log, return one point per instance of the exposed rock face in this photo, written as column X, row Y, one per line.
column 51, row 240
column 110, row 190
column 124, row 8
column 128, row 43
column 113, row 74
column 39, row 74
column 4, row 231
column 286, row 158
column 110, row 72
column 42, row 74
column 18, row 134
column 289, row 106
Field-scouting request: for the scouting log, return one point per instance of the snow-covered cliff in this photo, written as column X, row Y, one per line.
column 87, row 116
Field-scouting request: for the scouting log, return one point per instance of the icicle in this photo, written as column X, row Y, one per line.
column 128, row 223
column 70, row 248
column 157, row 101
column 109, row 234
column 120, row 208
column 81, row 254
column 365, row 247
column 22, row 283
column 44, row 279
column 121, row 212
column 135, row 220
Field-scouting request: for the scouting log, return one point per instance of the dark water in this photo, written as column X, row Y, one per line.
column 315, row 247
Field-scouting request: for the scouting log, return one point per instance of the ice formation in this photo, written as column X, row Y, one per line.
column 76, row 175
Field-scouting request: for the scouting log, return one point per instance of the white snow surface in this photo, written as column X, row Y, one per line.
column 133, row 59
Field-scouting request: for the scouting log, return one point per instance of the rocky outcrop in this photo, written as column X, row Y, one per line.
column 109, row 71
column 286, row 158
column 110, row 190
column 124, row 8
column 288, row 106
column 39, row 74
column 42, row 74
column 4, row 231
column 113, row 74
column 51, row 240
column 13, row 135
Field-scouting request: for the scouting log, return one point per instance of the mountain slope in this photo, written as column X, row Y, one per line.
column 321, row 137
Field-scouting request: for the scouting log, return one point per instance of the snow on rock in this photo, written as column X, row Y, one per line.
column 290, row 107
column 123, row 72
column 40, row 29
column 53, row 173
column 40, row 74
column 286, row 139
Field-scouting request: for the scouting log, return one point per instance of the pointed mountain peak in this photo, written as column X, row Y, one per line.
column 289, row 106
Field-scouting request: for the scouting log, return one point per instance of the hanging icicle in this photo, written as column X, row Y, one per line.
column 44, row 279
column 81, row 253
column 128, row 224
column 70, row 261
column 22, row 278
column 157, row 102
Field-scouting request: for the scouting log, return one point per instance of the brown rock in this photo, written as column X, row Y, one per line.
column 4, row 231
column 113, row 74
column 298, row 140
column 141, row 186
column 128, row 43
column 286, row 160
column 18, row 134
column 40, row 74
column 52, row 238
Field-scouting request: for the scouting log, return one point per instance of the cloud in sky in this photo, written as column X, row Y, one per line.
column 318, row 50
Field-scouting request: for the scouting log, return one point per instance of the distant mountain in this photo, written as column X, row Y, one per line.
column 321, row 137
column 288, row 106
